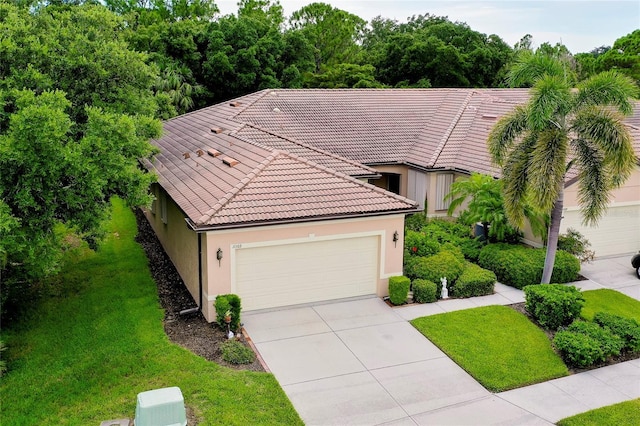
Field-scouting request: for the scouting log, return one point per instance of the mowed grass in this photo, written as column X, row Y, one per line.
column 610, row 301
column 83, row 356
column 623, row 414
column 498, row 346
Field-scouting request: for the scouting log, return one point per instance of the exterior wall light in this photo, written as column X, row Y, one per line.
column 395, row 239
column 219, row 255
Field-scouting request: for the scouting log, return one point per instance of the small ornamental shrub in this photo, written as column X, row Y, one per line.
column 628, row 329
column 443, row 264
column 519, row 266
column 424, row 291
column 575, row 243
column 417, row 244
column 235, row 352
column 474, row 281
column 553, row 305
column 610, row 343
column 225, row 303
column 578, row 350
column 399, row 289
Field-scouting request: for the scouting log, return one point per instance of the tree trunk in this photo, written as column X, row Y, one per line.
column 552, row 238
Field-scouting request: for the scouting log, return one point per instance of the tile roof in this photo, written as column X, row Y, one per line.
column 299, row 150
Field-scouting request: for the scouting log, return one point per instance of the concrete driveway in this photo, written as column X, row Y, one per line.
column 359, row 362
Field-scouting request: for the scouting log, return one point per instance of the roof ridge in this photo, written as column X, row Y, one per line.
column 244, row 108
column 346, row 177
column 452, row 126
column 236, row 189
column 311, row 147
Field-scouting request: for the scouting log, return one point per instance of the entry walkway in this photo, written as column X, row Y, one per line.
column 360, row 362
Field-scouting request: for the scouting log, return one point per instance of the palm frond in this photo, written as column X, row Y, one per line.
column 608, row 88
column 606, row 131
column 528, row 68
column 593, row 187
column 548, row 165
column 515, row 180
column 505, row 132
column 550, row 99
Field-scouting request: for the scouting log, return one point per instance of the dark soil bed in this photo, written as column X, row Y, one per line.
column 190, row 331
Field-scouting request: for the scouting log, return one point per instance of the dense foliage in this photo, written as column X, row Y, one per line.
column 228, row 305
column 399, row 289
column 424, row 291
column 474, row 281
column 553, row 305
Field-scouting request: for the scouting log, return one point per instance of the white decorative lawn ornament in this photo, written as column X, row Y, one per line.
column 445, row 291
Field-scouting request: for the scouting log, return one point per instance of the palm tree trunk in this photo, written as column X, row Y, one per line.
column 552, row 239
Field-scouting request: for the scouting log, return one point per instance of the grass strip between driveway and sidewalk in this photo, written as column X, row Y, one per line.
column 83, row 354
column 624, row 413
column 610, row 301
column 497, row 345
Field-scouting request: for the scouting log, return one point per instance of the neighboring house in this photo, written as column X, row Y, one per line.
column 289, row 196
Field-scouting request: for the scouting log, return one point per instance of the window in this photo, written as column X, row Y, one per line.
column 163, row 207
column 443, row 186
column 393, row 183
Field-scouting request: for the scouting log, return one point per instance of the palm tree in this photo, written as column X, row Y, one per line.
column 561, row 128
column 486, row 205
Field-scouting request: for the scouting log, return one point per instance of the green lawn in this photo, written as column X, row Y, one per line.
column 498, row 346
column 84, row 355
column 623, row 414
column 609, row 301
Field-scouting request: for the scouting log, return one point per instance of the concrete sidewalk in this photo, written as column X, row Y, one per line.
column 360, row 362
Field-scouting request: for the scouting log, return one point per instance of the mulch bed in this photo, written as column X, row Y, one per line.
column 190, row 331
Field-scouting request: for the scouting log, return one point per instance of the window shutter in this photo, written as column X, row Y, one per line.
column 443, row 186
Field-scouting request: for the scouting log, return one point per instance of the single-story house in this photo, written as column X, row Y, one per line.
column 289, row 196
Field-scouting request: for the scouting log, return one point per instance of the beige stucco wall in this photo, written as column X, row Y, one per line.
column 628, row 193
column 398, row 170
column 178, row 241
column 220, row 276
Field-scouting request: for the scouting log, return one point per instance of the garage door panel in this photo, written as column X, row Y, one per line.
column 618, row 232
column 280, row 275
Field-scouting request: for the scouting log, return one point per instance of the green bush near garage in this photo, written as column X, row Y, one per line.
column 474, row 281
column 424, row 291
column 399, row 289
column 519, row 266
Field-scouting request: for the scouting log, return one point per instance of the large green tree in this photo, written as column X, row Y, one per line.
column 559, row 131
column 76, row 114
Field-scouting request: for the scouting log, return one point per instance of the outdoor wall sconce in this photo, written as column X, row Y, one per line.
column 219, row 255
column 395, row 239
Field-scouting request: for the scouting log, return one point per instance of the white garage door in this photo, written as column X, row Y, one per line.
column 288, row 274
column 618, row 232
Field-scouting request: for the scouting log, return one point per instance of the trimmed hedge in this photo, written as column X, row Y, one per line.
column 519, row 266
column 553, row 305
column 610, row 343
column 424, row 291
column 417, row 244
column 577, row 349
column 628, row 329
column 474, row 281
column 224, row 303
column 443, row 264
column 399, row 289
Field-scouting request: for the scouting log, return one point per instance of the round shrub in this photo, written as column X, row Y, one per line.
column 399, row 289
column 417, row 244
column 424, row 291
column 224, row 303
column 474, row 281
column 610, row 343
column 578, row 350
column 628, row 329
column 443, row 264
column 235, row 352
column 553, row 305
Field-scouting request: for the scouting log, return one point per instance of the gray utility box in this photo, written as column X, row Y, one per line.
column 161, row 407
